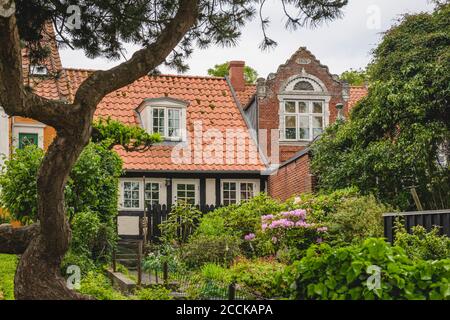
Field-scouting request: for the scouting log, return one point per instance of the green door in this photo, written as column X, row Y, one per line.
column 26, row 139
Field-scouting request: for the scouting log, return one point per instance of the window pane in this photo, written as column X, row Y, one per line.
column 246, row 191
column 303, row 107
column 26, row 139
column 317, row 126
column 289, row 106
column 229, row 193
column 291, row 125
column 158, row 121
column 304, row 128
column 174, row 123
column 186, row 193
column 131, row 195
column 317, row 107
column 151, row 193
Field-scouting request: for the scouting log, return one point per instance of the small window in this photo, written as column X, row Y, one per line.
column 306, row 123
column 131, row 192
column 303, row 86
column 229, row 193
column 38, row 70
column 158, row 120
column 247, row 191
column 151, row 194
column 186, row 193
column 26, row 139
column 235, row 192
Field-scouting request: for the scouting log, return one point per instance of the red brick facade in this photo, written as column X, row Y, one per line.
column 294, row 178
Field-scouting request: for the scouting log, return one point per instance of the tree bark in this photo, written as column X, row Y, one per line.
column 38, row 273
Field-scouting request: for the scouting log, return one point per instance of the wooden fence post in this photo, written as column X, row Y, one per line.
column 114, row 260
column 232, row 291
column 166, row 273
column 139, row 262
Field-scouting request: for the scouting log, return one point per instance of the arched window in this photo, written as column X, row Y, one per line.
column 303, row 86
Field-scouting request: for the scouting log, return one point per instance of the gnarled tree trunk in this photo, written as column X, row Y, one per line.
column 43, row 246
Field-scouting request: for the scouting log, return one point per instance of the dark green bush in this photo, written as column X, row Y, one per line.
column 153, row 293
column 97, row 285
column 344, row 273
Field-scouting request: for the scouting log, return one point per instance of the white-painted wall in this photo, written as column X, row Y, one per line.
column 4, row 135
column 128, row 226
column 211, row 192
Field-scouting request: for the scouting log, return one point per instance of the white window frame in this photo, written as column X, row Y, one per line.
column 122, row 195
column 30, row 128
column 175, row 184
column 145, row 111
column 159, row 191
column 238, row 189
column 310, row 114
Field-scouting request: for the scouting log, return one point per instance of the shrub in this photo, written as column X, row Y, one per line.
column 344, row 273
column 8, row 264
column 153, row 293
column 97, row 285
column 286, row 231
column 422, row 245
column 84, row 262
column 356, row 219
column 203, row 249
column 180, row 224
column 163, row 254
column 260, row 278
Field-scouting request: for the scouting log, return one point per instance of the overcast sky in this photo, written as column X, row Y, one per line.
column 342, row 44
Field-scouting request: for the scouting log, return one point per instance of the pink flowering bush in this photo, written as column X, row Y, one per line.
column 287, row 234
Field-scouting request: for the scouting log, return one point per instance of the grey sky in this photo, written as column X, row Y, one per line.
column 341, row 44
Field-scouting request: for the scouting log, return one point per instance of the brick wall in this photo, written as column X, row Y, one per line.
column 292, row 179
column 268, row 103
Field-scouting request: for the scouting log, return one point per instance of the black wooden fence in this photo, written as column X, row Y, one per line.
column 156, row 214
column 427, row 219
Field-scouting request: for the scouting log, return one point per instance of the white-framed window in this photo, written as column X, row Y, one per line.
column 168, row 122
column 131, row 195
column 186, row 192
column 303, row 119
column 237, row 191
column 151, row 193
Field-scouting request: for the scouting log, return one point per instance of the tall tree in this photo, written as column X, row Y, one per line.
column 221, row 70
column 167, row 31
column 398, row 137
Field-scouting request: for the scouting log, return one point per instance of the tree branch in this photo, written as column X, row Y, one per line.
column 100, row 83
column 14, row 97
column 16, row 240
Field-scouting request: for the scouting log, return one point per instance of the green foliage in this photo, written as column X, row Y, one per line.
column 110, row 133
column 8, row 265
column 263, row 279
column 202, row 249
column 342, row 273
column 153, row 293
column 392, row 139
column 161, row 254
column 98, row 286
column 180, row 224
column 221, row 70
column 18, row 183
column 422, row 245
column 354, row 77
column 83, row 261
column 357, row 219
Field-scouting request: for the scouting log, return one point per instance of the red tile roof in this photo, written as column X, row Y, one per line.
column 54, row 85
column 247, row 95
column 209, row 101
column 356, row 94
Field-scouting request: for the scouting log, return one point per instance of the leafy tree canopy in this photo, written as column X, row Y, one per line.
column 221, row 70
column 354, row 77
column 392, row 140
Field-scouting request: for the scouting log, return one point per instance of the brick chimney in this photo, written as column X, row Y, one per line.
column 236, row 74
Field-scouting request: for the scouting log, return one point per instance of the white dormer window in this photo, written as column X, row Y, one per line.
column 166, row 116
column 38, row 70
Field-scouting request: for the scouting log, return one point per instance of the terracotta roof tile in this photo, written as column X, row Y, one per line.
column 209, row 101
column 356, row 94
column 247, row 95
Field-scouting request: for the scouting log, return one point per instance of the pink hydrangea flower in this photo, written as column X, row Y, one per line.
column 319, row 240
column 250, row 237
column 322, row 229
column 274, row 239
